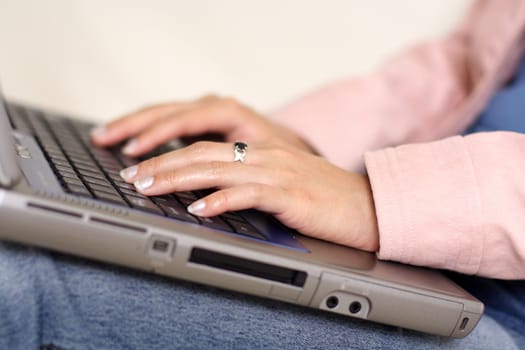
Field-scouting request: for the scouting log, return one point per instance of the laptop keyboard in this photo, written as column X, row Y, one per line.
column 89, row 171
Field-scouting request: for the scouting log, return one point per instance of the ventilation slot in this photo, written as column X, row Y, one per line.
column 54, row 210
column 248, row 267
column 117, row 224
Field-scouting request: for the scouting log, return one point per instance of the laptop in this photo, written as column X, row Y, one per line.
column 60, row 192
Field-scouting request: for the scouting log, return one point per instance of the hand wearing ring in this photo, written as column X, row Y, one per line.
column 302, row 190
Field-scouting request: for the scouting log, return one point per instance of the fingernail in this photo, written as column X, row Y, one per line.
column 129, row 173
column 197, row 207
column 99, row 131
column 144, row 183
column 130, row 147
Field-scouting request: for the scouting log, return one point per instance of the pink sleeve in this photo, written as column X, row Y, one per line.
column 407, row 99
column 432, row 91
column 456, row 204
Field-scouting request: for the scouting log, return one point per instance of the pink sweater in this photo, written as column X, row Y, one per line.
column 442, row 201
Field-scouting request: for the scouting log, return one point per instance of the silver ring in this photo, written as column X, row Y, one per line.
column 239, row 151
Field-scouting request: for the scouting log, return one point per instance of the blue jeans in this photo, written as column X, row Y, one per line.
column 49, row 298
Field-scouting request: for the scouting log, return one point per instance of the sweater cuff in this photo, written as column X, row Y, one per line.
column 427, row 205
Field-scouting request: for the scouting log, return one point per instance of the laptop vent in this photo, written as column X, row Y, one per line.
column 248, row 267
column 120, row 225
column 54, row 210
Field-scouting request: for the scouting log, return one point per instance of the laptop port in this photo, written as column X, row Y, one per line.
column 354, row 307
column 332, row 302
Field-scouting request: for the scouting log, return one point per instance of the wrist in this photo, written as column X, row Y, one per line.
column 369, row 226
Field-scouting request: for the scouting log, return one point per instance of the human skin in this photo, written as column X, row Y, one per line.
column 281, row 174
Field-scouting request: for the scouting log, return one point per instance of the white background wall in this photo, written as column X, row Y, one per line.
column 101, row 58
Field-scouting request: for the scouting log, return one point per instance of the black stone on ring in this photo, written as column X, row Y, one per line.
column 239, row 151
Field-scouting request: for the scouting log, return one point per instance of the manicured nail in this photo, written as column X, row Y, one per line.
column 197, row 207
column 144, row 183
column 130, row 147
column 99, row 131
column 129, row 173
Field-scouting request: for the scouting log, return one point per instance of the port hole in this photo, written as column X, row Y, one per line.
column 463, row 324
column 355, row 307
column 160, row 246
column 332, row 302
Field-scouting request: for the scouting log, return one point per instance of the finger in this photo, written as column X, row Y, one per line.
column 267, row 198
column 129, row 125
column 199, row 152
column 200, row 119
column 203, row 176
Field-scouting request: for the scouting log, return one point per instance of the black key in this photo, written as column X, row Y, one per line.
column 80, row 157
column 115, row 177
column 108, row 197
column 63, row 163
column 68, row 174
column 178, row 213
column 85, row 166
column 244, row 228
column 103, row 188
column 84, row 159
column 232, row 216
column 215, row 222
column 186, row 197
column 114, row 169
column 127, row 161
column 125, row 185
column 97, row 181
column 143, row 204
column 66, row 168
column 78, row 190
column 163, row 199
column 92, row 173
column 132, row 193
column 73, row 181
column 57, row 156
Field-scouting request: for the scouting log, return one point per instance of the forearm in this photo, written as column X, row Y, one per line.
column 454, row 204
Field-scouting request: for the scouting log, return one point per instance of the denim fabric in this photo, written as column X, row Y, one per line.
column 506, row 110
column 48, row 298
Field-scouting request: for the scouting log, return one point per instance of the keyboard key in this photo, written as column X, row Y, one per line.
column 78, row 190
column 67, row 168
column 97, row 181
column 186, row 197
column 232, row 216
column 108, row 197
column 215, row 222
column 68, row 174
column 85, row 166
column 125, row 185
column 244, row 228
column 132, row 193
column 63, row 163
column 143, row 204
column 92, row 173
column 103, row 188
column 73, row 181
column 178, row 213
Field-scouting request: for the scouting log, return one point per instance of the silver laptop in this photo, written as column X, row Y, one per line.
column 59, row 192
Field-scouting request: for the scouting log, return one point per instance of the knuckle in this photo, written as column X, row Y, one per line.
column 199, row 148
column 208, row 98
column 171, row 180
column 222, row 199
column 216, row 169
column 281, row 154
column 231, row 104
column 256, row 191
column 151, row 165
